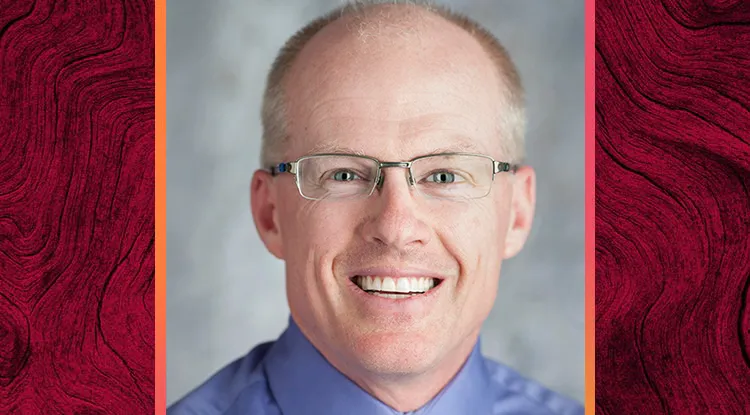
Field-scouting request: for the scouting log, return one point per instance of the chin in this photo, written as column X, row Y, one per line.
column 396, row 354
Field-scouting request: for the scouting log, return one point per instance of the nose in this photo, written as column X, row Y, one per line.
column 395, row 219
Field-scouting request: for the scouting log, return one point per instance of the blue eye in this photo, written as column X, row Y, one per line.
column 442, row 177
column 344, row 176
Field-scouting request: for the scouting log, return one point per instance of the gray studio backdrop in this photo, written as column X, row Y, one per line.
column 225, row 293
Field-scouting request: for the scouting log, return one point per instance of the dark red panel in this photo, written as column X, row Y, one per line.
column 76, row 207
column 672, row 207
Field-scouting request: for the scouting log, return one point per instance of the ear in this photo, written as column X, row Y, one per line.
column 521, row 210
column 263, row 203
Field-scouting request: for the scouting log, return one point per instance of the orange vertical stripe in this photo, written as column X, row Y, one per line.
column 590, row 178
column 161, row 205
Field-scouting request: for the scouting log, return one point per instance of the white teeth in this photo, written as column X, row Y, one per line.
column 395, row 285
column 392, row 295
column 426, row 283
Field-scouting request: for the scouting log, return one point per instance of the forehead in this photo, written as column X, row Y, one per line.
column 395, row 91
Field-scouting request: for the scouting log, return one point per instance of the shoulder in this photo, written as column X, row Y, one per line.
column 238, row 388
column 516, row 394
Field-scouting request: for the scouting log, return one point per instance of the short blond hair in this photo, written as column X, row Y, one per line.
column 274, row 109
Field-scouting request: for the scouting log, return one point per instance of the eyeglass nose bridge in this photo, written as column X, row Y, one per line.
column 388, row 164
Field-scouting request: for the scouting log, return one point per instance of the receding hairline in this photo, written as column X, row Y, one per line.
column 274, row 111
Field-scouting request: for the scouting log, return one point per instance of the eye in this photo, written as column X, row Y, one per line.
column 344, row 176
column 443, row 177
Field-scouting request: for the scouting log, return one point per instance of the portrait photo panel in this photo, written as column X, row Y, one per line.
column 254, row 251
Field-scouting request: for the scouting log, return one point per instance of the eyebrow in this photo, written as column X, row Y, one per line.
column 335, row 149
column 465, row 145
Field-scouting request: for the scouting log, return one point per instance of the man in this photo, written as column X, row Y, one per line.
column 393, row 137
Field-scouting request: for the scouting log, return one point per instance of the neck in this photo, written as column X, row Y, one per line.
column 409, row 392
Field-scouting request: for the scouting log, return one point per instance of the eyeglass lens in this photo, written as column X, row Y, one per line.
column 439, row 176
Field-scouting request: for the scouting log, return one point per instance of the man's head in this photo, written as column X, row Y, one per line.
column 393, row 82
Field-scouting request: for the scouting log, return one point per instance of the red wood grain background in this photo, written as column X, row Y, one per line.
column 77, row 207
column 672, row 207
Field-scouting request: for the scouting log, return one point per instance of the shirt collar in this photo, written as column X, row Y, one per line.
column 303, row 382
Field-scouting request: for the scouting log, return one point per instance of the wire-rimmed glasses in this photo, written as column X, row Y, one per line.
column 452, row 176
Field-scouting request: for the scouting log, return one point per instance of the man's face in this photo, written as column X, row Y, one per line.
column 394, row 98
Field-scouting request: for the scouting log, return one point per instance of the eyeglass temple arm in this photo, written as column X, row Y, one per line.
column 290, row 167
column 503, row 167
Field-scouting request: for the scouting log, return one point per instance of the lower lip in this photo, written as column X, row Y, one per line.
column 410, row 304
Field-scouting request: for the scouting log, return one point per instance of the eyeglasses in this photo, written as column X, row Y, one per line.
column 452, row 176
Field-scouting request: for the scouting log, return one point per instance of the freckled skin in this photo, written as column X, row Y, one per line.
column 401, row 95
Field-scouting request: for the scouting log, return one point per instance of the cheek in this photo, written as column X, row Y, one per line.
column 476, row 229
column 314, row 230
column 497, row 219
column 476, row 237
column 313, row 234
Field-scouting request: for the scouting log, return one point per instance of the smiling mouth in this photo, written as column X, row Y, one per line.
column 389, row 287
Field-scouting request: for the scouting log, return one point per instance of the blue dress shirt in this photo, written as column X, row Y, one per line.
column 290, row 377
